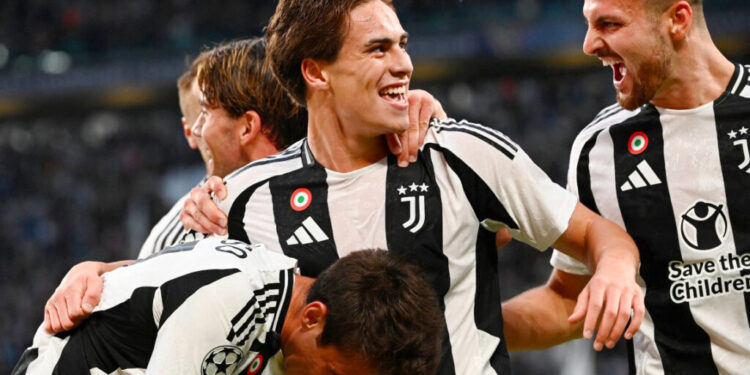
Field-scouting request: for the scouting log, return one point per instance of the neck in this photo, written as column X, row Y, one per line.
column 260, row 148
column 337, row 144
column 699, row 74
column 291, row 324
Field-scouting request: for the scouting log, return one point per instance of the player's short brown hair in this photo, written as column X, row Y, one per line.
column 301, row 29
column 235, row 77
column 186, row 80
column 382, row 309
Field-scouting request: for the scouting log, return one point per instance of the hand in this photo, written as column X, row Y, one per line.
column 609, row 299
column 502, row 238
column 200, row 213
column 422, row 108
column 75, row 298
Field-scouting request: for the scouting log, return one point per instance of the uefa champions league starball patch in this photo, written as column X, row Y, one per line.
column 637, row 143
column 300, row 199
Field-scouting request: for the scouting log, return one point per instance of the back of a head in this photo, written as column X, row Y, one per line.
column 235, row 77
column 301, row 29
column 184, row 84
column 381, row 308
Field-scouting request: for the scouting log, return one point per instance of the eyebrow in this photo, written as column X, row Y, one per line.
column 405, row 35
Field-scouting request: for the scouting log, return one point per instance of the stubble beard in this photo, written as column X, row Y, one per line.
column 647, row 80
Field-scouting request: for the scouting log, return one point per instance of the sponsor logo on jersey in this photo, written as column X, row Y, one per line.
column 300, row 199
column 638, row 143
column 221, row 360
column 307, row 233
column 411, row 195
column 642, row 176
column 742, row 144
column 704, row 226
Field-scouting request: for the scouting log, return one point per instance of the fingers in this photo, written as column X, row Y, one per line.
column 92, row 296
column 201, row 214
column 579, row 311
column 215, row 185
column 621, row 320
column 502, row 237
column 609, row 315
column 394, row 145
column 639, row 310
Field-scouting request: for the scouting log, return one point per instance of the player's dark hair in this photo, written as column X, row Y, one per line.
column 234, row 76
column 301, row 29
column 381, row 308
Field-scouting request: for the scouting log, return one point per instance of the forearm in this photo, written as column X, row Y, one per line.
column 529, row 327
column 609, row 246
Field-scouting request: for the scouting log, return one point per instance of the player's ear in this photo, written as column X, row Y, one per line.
column 314, row 315
column 680, row 20
column 250, row 127
column 188, row 132
column 314, row 73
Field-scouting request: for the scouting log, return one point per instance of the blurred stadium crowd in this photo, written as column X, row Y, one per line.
column 82, row 182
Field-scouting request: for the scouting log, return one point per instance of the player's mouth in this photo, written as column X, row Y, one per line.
column 619, row 72
column 396, row 95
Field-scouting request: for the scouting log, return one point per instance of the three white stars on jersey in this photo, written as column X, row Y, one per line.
column 413, row 188
column 733, row 134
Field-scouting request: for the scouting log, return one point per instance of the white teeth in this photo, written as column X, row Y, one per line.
column 400, row 90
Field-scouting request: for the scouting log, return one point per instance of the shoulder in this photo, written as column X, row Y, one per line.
column 606, row 118
column 283, row 162
column 451, row 134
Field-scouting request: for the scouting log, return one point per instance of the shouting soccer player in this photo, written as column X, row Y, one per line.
column 669, row 163
column 339, row 189
column 221, row 306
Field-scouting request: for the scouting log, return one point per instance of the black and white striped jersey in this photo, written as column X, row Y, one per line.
column 679, row 182
column 436, row 213
column 169, row 230
column 215, row 306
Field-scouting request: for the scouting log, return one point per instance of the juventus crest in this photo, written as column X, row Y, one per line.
column 742, row 144
column 414, row 196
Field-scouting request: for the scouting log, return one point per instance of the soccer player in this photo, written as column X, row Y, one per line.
column 221, row 306
column 669, row 163
column 237, row 124
column 339, row 189
column 244, row 115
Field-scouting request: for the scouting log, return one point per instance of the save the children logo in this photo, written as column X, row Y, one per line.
column 704, row 225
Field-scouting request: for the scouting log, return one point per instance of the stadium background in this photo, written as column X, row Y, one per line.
column 91, row 150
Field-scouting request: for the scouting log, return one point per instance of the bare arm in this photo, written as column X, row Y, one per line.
column 612, row 292
column 529, row 327
column 77, row 296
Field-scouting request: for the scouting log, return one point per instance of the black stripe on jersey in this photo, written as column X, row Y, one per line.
column 174, row 292
column 256, row 307
column 732, row 113
column 28, row 356
column 414, row 230
column 117, row 338
column 236, row 217
column 487, row 312
column 286, row 279
column 481, row 132
column 317, row 252
column 647, row 212
column 161, row 239
column 583, row 174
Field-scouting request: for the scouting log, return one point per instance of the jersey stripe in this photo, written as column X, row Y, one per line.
column 738, row 78
column 28, row 356
column 176, row 291
column 657, row 239
column 583, row 175
column 495, row 139
column 318, row 253
column 731, row 116
column 429, row 254
column 236, row 216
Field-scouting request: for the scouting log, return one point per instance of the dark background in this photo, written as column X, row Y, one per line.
column 92, row 154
